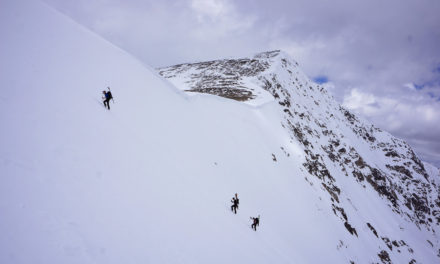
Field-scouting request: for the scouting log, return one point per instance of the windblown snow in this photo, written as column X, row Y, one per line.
column 150, row 181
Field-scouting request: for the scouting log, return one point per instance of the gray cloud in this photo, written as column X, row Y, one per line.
column 381, row 57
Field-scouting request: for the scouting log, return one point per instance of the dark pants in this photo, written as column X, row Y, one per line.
column 254, row 226
column 107, row 103
column 234, row 208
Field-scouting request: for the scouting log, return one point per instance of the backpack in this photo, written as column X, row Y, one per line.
column 108, row 95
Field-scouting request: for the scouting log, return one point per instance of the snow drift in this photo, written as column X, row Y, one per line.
column 150, row 180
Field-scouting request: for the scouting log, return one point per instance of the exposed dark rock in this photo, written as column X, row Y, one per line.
column 358, row 175
column 372, row 229
column 392, row 153
column 400, row 169
column 333, row 191
column 379, row 183
column 350, row 117
column 339, row 211
column 384, row 257
column 360, row 163
column 350, row 229
column 387, row 242
column 231, row 93
column 419, row 168
column 432, row 245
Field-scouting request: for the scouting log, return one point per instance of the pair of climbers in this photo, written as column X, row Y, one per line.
column 107, row 96
column 235, row 202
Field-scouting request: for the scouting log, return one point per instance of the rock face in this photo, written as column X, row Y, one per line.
column 223, row 78
column 340, row 148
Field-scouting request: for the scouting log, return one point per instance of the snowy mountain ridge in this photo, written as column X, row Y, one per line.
column 336, row 143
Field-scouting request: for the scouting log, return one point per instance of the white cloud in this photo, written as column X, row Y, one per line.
column 211, row 9
column 219, row 18
column 414, row 118
column 410, row 86
column 366, row 103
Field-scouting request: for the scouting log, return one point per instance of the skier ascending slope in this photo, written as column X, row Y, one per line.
column 107, row 97
column 256, row 222
column 235, row 201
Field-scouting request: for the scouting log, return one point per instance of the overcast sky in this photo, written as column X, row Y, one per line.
column 380, row 58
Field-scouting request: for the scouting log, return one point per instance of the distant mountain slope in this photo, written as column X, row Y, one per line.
column 339, row 148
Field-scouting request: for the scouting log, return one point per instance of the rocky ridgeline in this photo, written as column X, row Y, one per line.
column 220, row 77
column 325, row 130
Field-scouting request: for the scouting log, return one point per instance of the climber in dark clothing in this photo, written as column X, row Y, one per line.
column 256, row 222
column 235, row 201
column 107, row 97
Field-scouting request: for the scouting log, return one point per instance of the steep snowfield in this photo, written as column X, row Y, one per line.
column 150, row 180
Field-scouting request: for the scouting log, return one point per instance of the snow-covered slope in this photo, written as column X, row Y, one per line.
column 372, row 181
column 150, row 181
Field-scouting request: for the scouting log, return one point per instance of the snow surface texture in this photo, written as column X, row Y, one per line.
column 150, row 181
column 374, row 183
